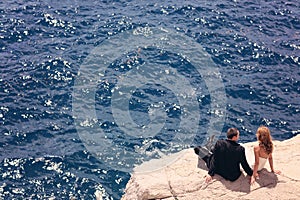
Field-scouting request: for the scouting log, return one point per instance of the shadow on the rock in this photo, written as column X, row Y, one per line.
column 240, row 185
column 266, row 179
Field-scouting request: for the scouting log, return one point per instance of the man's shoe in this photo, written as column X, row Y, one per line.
column 202, row 151
column 210, row 142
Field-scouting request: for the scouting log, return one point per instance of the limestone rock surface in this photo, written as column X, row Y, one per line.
column 181, row 177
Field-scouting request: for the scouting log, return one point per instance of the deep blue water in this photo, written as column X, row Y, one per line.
column 47, row 48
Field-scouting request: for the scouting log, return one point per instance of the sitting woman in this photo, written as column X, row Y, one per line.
column 263, row 152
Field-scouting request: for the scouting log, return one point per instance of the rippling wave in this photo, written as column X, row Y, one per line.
column 43, row 44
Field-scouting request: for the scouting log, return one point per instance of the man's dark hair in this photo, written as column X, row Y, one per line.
column 231, row 132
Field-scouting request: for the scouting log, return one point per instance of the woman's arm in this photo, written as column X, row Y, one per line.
column 256, row 163
column 271, row 165
column 271, row 162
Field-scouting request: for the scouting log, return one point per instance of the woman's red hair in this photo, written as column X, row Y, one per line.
column 265, row 140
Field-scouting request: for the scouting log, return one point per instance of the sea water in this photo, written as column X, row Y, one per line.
column 90, row 89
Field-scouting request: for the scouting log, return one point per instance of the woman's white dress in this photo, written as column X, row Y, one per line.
column 262, row 162
column 251, row 159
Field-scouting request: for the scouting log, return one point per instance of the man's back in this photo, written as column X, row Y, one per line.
column 226, row 159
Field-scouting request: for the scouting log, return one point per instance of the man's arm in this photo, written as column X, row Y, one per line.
column 211, row 166
column 213, row 160
column 211, row 169
column 208, row 178
column 245, row 164
column 256, row 163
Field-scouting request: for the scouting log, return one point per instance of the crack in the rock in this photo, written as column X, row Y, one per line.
column 172, row 191
column 292, row 179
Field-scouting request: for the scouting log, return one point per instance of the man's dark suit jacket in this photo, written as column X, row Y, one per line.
column 226, row 159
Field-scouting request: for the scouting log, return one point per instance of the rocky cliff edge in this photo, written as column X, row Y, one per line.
column 183, row 178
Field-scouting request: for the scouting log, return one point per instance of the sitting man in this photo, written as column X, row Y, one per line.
column 225, row 158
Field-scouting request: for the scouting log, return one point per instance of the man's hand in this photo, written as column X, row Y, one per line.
column 208, row 178
column 252, row 180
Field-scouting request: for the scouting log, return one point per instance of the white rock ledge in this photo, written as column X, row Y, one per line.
column 183, row 179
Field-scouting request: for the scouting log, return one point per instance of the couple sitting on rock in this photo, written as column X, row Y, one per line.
column 227, row 155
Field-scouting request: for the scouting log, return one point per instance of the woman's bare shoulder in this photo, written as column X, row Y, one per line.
column 256, row 148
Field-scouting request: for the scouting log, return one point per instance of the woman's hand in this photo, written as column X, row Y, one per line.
column 276, row 172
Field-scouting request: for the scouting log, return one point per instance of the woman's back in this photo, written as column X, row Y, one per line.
column 262, row 152
column 262, row 156
column 262, row 162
